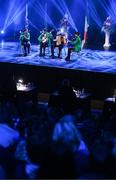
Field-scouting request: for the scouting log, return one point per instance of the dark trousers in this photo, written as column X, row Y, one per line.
column 26, row 48
column 42, row 49
column 69, row 52
column 52, row 49
column 59, row 49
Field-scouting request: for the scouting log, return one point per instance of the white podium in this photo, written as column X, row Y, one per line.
column 107, row 39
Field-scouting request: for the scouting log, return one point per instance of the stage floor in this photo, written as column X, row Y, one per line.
column 86, row 60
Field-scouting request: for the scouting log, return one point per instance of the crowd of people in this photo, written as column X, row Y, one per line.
column 55, row 142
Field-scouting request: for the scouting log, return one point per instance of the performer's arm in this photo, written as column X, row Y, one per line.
column 75, row 41
column 21, row 36
column 28, row 36
column 40, row 38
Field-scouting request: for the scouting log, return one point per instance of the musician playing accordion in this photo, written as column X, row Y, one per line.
column 25, row 41
column 59, row 42
column 44, row 41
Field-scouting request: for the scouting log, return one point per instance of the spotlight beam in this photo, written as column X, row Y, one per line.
column 15, row 17
column 94, row 14
column 33, row 25
column 9, row 13
column 11, row 17
column 16, row 14
column 42, row 13
column 62, row 8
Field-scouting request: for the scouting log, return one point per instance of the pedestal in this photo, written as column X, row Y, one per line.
column 107, row 39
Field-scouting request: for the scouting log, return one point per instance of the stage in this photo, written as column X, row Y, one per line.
column 86, row 60
column 94, row 70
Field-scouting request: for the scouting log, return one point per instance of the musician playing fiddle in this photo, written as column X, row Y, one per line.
column 76, row 43
column 25, row 41
column 44, row 41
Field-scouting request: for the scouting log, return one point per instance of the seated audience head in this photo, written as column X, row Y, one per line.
column 65, row 86
column 65, row 132
column 54, row 114
column 66, row 82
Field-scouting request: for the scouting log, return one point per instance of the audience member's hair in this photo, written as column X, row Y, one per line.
column 66, row 132
column 54, row 114
column 65, row 86
column 7, row 112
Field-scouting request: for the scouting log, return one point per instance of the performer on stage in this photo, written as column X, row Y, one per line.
column 107, row 29
column 60, row 42
column 76, row 43
column 25, row 41
column 44, row 41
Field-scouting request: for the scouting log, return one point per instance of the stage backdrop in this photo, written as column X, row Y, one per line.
column 48, row 13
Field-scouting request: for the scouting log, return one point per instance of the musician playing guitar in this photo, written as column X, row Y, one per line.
column 44, row 41
column 25, row 41
column 76, row 43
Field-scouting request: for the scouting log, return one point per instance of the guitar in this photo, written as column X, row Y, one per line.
column 45, row 37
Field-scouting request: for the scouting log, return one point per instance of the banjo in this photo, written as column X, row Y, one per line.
column 45, row 36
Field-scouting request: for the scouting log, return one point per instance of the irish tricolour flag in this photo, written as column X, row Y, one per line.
column 85, row 31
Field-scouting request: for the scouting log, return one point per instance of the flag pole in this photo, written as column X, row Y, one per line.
column 45, row 18
column 86, row 25
column 26, row 15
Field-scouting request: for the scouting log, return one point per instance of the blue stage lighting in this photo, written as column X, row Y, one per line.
column 62, row 30
column 2, row 32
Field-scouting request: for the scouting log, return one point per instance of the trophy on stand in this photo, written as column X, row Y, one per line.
column 64, row 25
column 107, row 30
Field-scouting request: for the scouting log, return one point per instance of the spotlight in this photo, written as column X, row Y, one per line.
column 20, row 85
column 62, row 30
column 20, row 81
column 2, row 32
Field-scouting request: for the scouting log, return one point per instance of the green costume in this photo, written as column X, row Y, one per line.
column 77, row 44
column 48, row 38
column 23, row 39
column 25, row 42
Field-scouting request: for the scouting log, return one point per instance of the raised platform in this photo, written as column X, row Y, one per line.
column 86, row 60
column 94, row 70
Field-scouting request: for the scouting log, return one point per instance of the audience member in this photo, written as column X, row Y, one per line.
column 66, row 133
column 65, row 99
